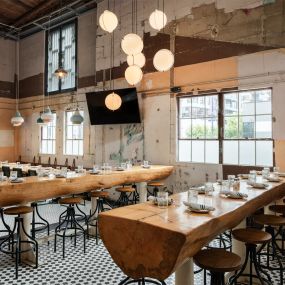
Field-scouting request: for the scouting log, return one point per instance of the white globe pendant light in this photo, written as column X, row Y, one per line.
column 47, row 115
column 113, row 101
column 137, row 59
column 163, row 60
column 17, row 120
column 157, row 20
column 133, row 75
column 132, row 44
column 108, row 21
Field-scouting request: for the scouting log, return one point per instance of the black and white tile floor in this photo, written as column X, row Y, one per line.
column 95, row 267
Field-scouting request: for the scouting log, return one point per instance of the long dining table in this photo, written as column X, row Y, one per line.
column 147, row 241
column 41, row 188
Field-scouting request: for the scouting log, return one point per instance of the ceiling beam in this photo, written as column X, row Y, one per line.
column 35, row 12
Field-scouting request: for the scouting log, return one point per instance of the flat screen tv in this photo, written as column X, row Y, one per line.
column 128, row 112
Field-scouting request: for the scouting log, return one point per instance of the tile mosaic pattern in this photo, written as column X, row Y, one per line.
column 95, row 267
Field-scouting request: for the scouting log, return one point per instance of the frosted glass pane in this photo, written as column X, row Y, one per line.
column 185, row 128
column 264, row 153
column 80, row 152
column 68, row 148
column 230, row 152
column 264, row 126
column 212, row 152
column 184, row 152
column 247, row 153
column 198, row 128
column 198, row 151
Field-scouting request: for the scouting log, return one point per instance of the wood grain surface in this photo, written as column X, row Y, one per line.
column 34, row 188
column 146, row 241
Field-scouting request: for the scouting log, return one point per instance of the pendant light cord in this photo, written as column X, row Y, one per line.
column 17, row 71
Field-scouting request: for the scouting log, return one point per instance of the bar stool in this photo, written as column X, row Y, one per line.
column 7, row 230
column 271, row 222
column 141, row 281
column 224, row 241
column 218, row 262
column 69, row 223
column 101, row 197
column 155, row 185
column 251, row 237
column 14, row 243
column 124, row 198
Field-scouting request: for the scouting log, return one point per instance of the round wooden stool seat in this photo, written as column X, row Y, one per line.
column 155, row 184
column 127, row 189
column 75, row 200
column 251, row 236
column 280, row 209
column 217, row 260
column 20, row 210
column 269, row 220
column 99, row 194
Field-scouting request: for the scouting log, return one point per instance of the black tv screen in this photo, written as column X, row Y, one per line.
column 128, row 112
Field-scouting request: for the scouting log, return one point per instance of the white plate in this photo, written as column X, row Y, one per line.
column 19, row 180
column 198, row 211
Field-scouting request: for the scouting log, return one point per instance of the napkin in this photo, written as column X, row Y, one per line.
column 197, row 206
column 273, row 179
column 200, row 189
column 257, row 185
column 154, row 200
column 232, row 194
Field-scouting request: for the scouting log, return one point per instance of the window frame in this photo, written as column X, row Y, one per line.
column 60, row 28
column 65, row 139
column 221, row 126
column 41, row 135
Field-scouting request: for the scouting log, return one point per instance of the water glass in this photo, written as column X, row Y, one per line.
column 123, row 165
column 1, row 176
column 231, row 179
column 63, row 171
column 192, row 196
column 225, row 186
column 80, row 168
column 209, row 189
column 145, row 163
column 13, row 175
column 129, row 164
column 95, row 168
column 265, row 172
column 276, row 171
column 252, row 176
column 162, row 199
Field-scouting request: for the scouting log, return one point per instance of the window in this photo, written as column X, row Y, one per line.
column 61, row 51
column 47, row 136
column 198, row 129
column 245, row 122
column 73, row 136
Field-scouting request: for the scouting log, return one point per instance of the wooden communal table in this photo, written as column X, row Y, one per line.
column 146, row 241
column 35, row 189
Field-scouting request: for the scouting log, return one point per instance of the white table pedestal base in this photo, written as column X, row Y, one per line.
column 142, row 188
column 184, row 275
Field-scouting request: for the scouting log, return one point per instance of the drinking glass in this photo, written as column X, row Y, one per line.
column 123, row 165
column 95, row 168
column 252, row 176
column 145, row 163
column 80, row 168
column 225, row 186
column 13, row 175
column 162, row 199
column 209, row 189
column 63, row 171
column 1, row 176
column 276, row 171
column 192, row 196
column 231, row 179
column 129, row 164
column 265, row 172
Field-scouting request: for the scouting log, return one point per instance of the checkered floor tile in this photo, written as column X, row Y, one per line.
column 95, row 267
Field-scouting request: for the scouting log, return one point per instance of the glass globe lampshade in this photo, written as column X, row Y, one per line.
column 61, row 72
column 137, row 59
column 157, row 20
column 17, row 120
column 113, row 101
column 76, row 117
column 133, row 74
column 108, row 21
column 163, row 60
column 47, row 115
column 132, row 44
